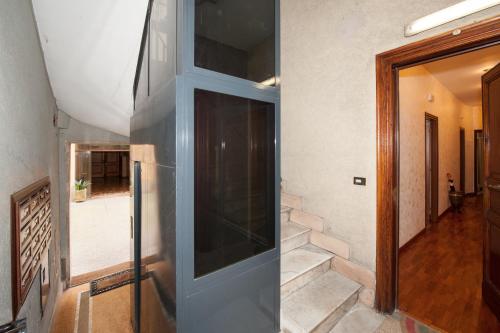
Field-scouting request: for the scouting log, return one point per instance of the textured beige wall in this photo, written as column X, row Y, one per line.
column 415, row 85
column 28, row 148
column 477, row 117
column 328, row 53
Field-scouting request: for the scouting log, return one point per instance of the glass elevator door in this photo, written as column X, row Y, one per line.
column 234, row 179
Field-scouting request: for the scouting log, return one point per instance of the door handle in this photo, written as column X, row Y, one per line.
column 131, row 227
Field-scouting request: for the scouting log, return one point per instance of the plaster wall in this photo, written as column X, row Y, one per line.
column 415, row 86
column 28, row 148
column 477, row 117
column 328, row 117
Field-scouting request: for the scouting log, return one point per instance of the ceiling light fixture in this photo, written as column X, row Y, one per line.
column 448, row 14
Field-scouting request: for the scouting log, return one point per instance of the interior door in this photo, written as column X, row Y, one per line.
column 431, row 169
column 491, row 119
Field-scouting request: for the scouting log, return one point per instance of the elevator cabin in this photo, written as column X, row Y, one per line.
column 205, row 158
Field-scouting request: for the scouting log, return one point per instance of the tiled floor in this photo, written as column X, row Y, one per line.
column 99, row 233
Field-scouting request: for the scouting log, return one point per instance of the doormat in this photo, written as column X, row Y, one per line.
column 111, row 282
column 411, row 325
column 83, row 315
column 399, row 322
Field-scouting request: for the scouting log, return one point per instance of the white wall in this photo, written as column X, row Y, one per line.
column 415, row 85
column 328, row 127
column 28, row 147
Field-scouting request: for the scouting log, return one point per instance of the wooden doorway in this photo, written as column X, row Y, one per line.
column 431, row 169
column 478, row 161
column 491, row 121
column 463, row 40
column 462, row 159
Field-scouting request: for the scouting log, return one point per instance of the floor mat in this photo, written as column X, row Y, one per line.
column 83, row 316
column 107, row 312
column 111, row 311
column 402, row 323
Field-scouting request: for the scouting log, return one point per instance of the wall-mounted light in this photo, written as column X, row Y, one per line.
column 448, row 14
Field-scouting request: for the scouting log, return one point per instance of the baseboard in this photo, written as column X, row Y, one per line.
column 443, row 214
column 412, row 240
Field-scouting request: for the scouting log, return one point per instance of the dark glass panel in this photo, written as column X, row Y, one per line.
column 236, row 37
column 234, row 179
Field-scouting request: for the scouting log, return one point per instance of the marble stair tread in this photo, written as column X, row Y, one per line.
column 293, row 236
column 320, row 304
column 301, row 260
column 360, row 319
column 291, row 230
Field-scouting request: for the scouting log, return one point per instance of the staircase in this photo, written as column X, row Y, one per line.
column 319, row 285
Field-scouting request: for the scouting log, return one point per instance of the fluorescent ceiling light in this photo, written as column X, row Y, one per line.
column 449, row 14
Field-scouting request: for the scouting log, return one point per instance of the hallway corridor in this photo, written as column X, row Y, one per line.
column 440, row 274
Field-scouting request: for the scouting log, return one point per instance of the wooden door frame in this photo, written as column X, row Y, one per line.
column 435, row 169
column 476, row 189
column 490, row 292
column 462, row 159
column 462, row 40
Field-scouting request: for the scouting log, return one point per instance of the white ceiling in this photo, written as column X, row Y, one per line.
column 91, row 49
column 462, row 74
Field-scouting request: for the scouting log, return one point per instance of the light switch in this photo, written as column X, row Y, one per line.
column 360, row 181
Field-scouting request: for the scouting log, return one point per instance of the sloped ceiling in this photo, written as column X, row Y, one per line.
column 91, row 49
column 462, row 74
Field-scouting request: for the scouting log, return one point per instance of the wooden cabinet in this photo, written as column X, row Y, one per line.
column 105, row 164
column 31, row 236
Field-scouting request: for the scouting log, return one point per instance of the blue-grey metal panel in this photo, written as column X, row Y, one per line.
column 216, row 281
column 162, row 132
column 244, row 303
column 153, row 143
column 135, row 245
column 192, row 285
column 209, row 297
column 159, row 249
column 187, row 36
column 162, row 124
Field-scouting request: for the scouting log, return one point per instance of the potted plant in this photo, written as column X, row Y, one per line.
column 81, row 190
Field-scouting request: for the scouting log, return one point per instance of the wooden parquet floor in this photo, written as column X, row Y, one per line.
column 109, row 185
column 440, row 274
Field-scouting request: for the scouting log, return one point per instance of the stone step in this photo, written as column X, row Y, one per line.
column 360, row 319
column 293, row 236
column 331, row 244
column 307, row 220
column 301, row 265
column 319, row 305
column 290, row 200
